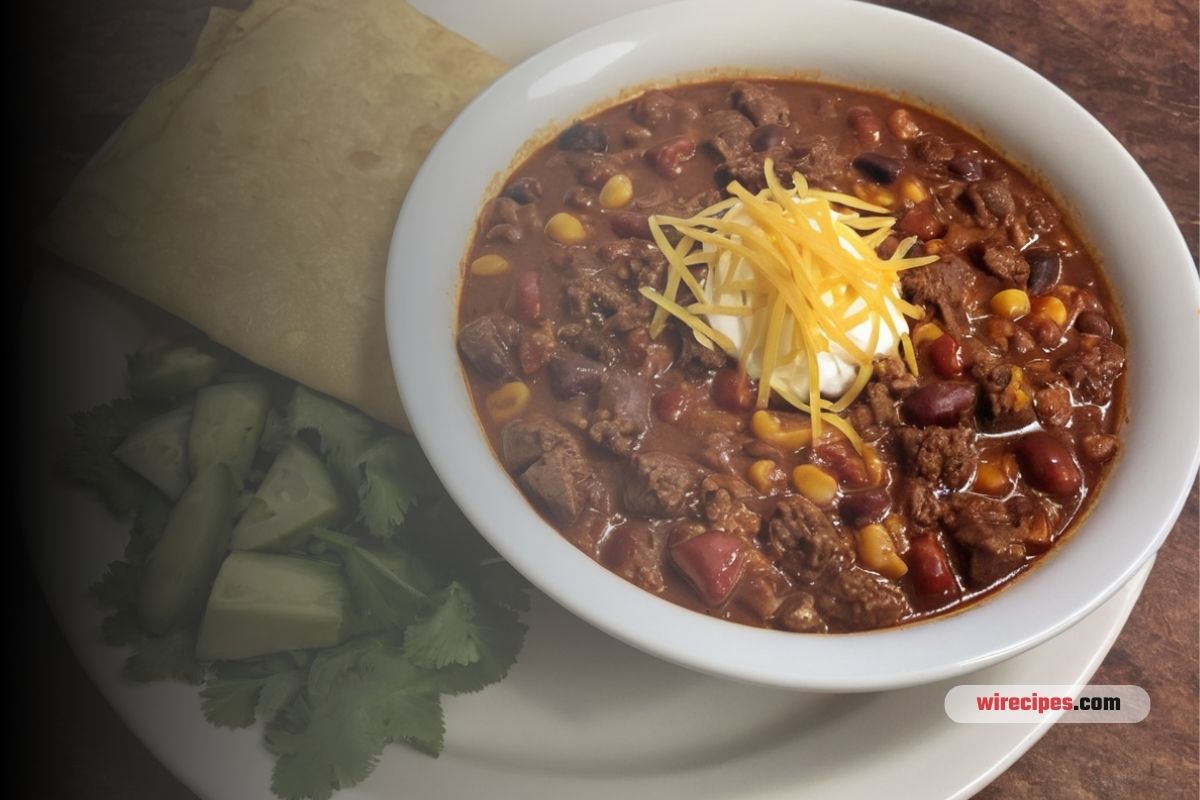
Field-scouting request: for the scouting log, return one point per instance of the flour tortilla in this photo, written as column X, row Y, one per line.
column 254, row 193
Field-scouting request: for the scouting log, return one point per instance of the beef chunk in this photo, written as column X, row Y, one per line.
column 1094, row 368
column 748, row 169
column 804, row 543
column 861, row 601
column 724, row 499
column 548, row 465
column 821, row 162
column 1007, row 402
column 923, row 505
column 588, row 293
column 945, row 455
column 729, row 135
column 944, row 284
column 1004, row 261
column 635, row 553
column 590, row 340
column 932, row 149
column 653, row 108
column 622, row 415
column 882, row 406
column 999, row 535
column 696, row 360
column 799, row 614
column 992, row 202
column 659, row 485
column 760, row 103
column 1007, row 336
column 487, row 342
column 1052, row 404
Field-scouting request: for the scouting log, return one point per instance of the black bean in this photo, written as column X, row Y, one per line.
column 631, row 225
column 584, row 136
column 1045, row 269
column 966, row 168
column 764, row 137
column 879, row 168
column 1095, row 324
column 524, row 190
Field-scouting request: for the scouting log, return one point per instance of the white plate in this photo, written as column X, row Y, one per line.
column 581, row 716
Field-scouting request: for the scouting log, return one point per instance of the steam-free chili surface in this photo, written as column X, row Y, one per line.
column 640, row 451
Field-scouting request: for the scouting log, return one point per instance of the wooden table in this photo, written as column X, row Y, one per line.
column 1132, row 63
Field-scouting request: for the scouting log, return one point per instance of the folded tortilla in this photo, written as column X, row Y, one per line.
column 254, row 193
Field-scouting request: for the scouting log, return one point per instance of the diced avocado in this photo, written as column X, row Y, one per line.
column 264, row 603
column 227, row 425
column 296, row 494
column 157, row 450
column 181, row 567
column 175, row 371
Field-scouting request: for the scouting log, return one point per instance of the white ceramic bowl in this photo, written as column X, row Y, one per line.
column 1114, row 204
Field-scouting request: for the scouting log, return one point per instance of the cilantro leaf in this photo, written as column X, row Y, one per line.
column 449, row 635
column 499, row 635
column 170, row 657
column 497, row 582
column 89, row 462
column 121, row 628
column 386, row 493
column 344, row 433
column 118, row 587
column 230, row 702
column 148, row 526
column 278, row 691
column 390, row 586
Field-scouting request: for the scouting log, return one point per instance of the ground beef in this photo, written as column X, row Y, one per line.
column 923, row 505
column 892, row 374
column 939, row 455
column 999, row 535
column 946, row 285
column 748, row 169
column 487, row 343
column 760, row 103
column 724, row 499
column 696, row 360
column 804, row 543
column 1004, row 261
column 1007, row 402
column 588, row 293
column 861, row 600
column 659, row 485
column 799, row 614
column 622, row 415
column 635, row 553
column 992, row 202
column 590, row 339
column 881, row 405
column 1008, row 337
column 1094, row 369
column 821, row 162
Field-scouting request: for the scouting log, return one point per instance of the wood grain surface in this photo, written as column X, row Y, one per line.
column 1132, row 63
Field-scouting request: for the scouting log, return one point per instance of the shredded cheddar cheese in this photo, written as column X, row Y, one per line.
column 799, row 267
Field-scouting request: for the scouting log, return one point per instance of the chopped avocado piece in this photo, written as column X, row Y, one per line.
column 227, row 425
column 264, row 603
column 175, row 371
column 181, row 567
column 157, row 450
column 296, row 494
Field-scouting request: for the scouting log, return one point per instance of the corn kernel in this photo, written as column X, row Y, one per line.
column 991, row 479
column 816, row 484
column 616, row 192
column 926, row 332
column 877, row 552
column 1010, row 303
column 1051, row 308
column 767, row 427
column 934, row 246
column 912, row 189
column 565, row 229
column 489, row 265
column 873, row 193
column 765, row 475
column 507, row 402
column 876, row 470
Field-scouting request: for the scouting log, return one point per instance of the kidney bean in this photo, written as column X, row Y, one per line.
column 712, row 563
column 902, row 125
column 526, row 297
column 631, row 225
column 1046, row 332
column 879, row 168
column 585, row 136
column 1046, row 464
column 865, row 125
column 840, row 458
column 764, row 137
column 524, row 190
column 1095, row 324
column 573, row 374
column 940, row 403
column 1045, row 269
column 1099, row 447
column 930, row 566
column 919, row 221
column 860, row 509
column 672, row 404
column 668, row 157
column 947, row 356
column 731, row 389
column 966, row 168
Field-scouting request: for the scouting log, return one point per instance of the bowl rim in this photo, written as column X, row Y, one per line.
column 421, row 316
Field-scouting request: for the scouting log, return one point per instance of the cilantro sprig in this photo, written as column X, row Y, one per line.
column 435, row 610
